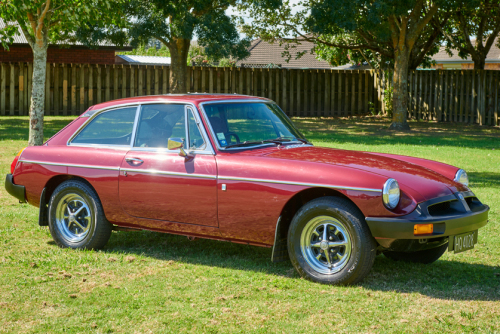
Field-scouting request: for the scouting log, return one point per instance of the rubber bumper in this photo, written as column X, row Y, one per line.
column 15, row 190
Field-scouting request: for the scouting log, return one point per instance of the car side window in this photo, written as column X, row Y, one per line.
column 196, row 141
column 158, row 123
column 112, row 127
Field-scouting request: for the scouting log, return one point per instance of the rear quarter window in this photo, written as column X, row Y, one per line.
column 112, row 127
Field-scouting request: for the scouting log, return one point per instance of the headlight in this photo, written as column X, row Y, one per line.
column 391, row 193
column 462, row 177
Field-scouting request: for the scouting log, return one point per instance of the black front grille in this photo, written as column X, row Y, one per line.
column 443, row 208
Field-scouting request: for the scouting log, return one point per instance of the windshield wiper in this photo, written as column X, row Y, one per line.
column 277, row 141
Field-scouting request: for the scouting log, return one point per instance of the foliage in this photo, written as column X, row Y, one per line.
column 142, row 50
column 388, row 101
column 160, row 283
column 62, row 21
column 473, row 28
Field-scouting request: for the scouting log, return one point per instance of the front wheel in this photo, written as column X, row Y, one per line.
column 76, row 217
column 329, row 242
column 425, row 256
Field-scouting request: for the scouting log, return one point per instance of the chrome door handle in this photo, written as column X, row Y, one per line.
column 134, row 161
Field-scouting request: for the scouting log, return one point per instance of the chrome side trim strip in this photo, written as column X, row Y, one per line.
column 297, row 183
column 159, row 172
column 69, row 165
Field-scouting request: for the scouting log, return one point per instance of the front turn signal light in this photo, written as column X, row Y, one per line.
column 420, row 229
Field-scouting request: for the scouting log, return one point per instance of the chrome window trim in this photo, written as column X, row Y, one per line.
column 296, row 183
column 208, row 150
column 197, row 122
column 91, row 118
column 205, row 117
column 159, row 172
column 69, row 165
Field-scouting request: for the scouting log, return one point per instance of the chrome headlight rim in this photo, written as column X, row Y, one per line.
column 462, row 177
column 391, row 194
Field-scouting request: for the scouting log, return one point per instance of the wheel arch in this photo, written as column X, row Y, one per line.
column 49, row 189
column 293, row 205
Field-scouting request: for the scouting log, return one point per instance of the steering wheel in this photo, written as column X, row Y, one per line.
column 233, row 134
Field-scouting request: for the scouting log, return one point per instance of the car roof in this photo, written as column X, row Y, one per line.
column 195, row 98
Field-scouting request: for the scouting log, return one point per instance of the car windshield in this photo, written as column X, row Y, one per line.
column 249, row 124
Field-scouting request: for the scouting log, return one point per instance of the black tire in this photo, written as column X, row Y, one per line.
column 349, row 224
column 77, row 197
column 425, row 256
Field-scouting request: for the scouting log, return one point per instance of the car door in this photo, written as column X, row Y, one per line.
column 158, row 183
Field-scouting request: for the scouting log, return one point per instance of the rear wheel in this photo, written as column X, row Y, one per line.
column 425, row 256
column 329, row 242
column 76, row 217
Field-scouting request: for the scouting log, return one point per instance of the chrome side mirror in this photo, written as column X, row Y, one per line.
column 177, row 144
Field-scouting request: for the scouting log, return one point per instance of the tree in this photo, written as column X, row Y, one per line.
column 44, row 22
column 474, row 26
column 377, row 31
column 175, row 23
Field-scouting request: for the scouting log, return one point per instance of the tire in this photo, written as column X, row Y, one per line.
column 350, row 245
column 425, row 256
column 88, row 228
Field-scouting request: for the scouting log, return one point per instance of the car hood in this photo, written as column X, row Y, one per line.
column 418, row 181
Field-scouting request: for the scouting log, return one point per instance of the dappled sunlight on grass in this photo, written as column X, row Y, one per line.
column 153, row 282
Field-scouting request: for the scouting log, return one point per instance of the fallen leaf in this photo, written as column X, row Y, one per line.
column 72, row 296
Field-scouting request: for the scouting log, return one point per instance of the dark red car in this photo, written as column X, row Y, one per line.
column 234, row 168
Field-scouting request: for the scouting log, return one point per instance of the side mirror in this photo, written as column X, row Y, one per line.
column 177, row 144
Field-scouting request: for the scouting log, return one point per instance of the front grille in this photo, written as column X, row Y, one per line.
column 443, row 208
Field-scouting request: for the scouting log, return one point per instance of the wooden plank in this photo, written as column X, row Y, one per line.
column 233, row 80
column 270, row 83
column 20, row 88
column 132, row 81
column 455, row 95
column 255, row 82
column 299, row 93
column 73, row 90
column 211, row 80
column 277, row 86
column 262, row 82
column 333, row 80
column 348, row 106
column 249, row 79
column 164, row 78
column 462, row 97
column 410, row 94
column 307, row 94
column 284, row 95
column 291, row 105
column 226, row 81
column 440, row 96
column 497, row 89
column 140, row 81
column 124, row 71
column 26, row 91
column 12, row 89
column 64, row 89
column 219, row 79
column 47, row 89
column 489, row 107
column 91, row 86
column 240, row 80
column 99, row 84
column 353, row 92
column 57, row 104
column 3, row 68
column 203, row 80
column 156, row 81
column 481, row 103
column 473, row 97
column 339, row 94
column 360, row 92
column 82, row 89
column 189, row 80
column 327, row 94
column 107, row 88
column 148, row 80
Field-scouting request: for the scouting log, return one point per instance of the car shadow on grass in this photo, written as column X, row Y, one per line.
column 444, row 279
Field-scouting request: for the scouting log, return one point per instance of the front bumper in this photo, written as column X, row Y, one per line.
column 15, row 190
column 464, row 218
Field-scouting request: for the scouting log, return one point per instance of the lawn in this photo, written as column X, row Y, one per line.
column 152, row 282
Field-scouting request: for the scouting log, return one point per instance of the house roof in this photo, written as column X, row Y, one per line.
column 142, row 60
column 263, row 53
column 20, row 39
column 492, row 57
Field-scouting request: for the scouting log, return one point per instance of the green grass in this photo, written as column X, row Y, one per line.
column 153, row 282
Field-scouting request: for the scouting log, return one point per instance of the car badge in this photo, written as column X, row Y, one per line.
column 460, row 196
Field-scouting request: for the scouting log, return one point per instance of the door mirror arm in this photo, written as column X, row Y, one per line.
column 177, row 144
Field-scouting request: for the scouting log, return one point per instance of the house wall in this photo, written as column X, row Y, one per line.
column 58, row 55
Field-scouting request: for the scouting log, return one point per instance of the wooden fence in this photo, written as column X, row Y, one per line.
column 444, row 95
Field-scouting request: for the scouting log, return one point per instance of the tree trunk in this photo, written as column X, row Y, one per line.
column 179, row 48
column 37, row 95
column 400, row 90
column 479, row 63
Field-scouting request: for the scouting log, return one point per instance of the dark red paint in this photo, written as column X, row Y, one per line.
column 248, row 210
